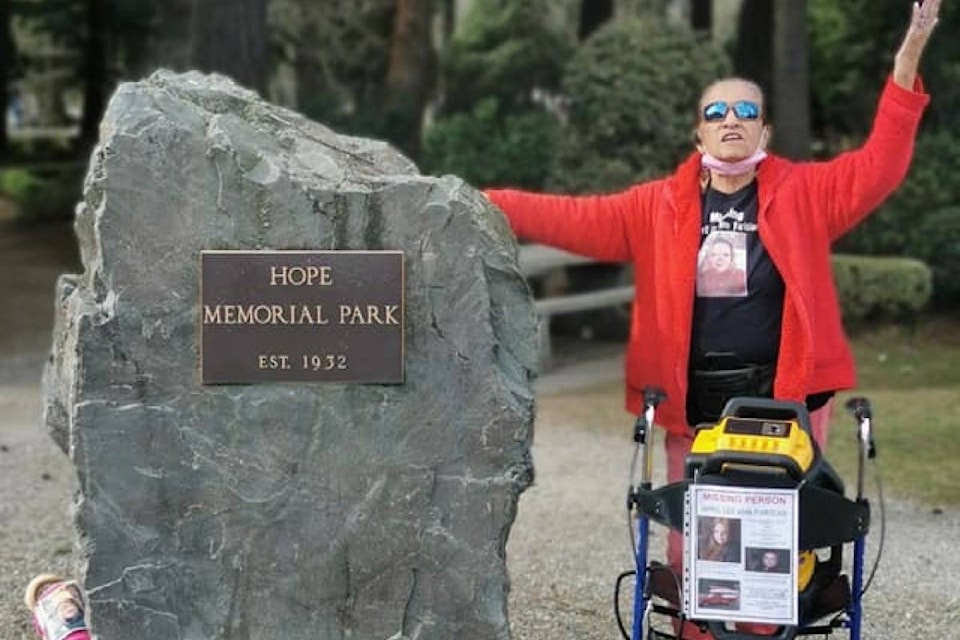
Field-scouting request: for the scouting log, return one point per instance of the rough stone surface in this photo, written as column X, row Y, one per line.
column 285, row 510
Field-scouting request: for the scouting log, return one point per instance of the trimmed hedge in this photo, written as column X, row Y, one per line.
column 881, row 287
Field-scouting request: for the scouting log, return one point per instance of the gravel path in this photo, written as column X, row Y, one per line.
column 35, row 522
column 568, row 545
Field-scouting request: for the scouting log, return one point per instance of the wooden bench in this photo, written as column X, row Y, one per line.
column 536, row 261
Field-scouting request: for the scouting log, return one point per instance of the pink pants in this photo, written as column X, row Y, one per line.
column 678, row 446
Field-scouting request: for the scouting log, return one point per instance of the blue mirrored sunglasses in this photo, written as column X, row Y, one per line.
column 743, row 109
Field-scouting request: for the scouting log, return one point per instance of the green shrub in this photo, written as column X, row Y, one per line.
column 486, row 148
column 17, row 183
column 42, row 197
column 500, row 71
column 504, row 49
column 938, row 244
column 931, row 184
column 852, row 44
column 851, row 49
column 881, row 288
column 633, row 88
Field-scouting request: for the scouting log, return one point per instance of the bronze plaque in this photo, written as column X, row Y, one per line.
column 303, row 316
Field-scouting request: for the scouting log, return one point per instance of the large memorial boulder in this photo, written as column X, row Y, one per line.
column 294, row 509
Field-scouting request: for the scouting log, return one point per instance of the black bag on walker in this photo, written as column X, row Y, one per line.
column 717, row 378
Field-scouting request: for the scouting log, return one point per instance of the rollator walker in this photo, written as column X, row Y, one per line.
column 759, row 451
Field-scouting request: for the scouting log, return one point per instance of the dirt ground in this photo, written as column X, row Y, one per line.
column 566, row 548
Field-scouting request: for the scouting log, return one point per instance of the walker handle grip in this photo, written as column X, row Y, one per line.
column 653, row 396
column 861, row 410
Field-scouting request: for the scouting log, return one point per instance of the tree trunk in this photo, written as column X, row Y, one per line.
column 6, row 61
column 94, row 73
column 230, row 37
column 701, row 16
column 754, row 47
column 791, row 78
column 410, row 72
column 449, row 21
column 169, row 45
column 593, row 14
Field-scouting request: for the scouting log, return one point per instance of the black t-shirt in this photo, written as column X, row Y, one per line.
column 739, row 302
column 738, row 307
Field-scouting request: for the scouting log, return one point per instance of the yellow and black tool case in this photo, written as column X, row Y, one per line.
column 759, row 442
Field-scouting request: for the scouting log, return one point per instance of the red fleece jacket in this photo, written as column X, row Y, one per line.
column 803, row 208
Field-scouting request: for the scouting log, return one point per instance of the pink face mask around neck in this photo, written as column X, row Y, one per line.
column 739, row 167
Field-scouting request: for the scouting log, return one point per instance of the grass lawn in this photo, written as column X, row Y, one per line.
column 912, row 379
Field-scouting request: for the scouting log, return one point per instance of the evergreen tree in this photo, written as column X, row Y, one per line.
column 498, row 114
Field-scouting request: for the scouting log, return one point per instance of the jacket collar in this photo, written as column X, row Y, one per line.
column 684, row 184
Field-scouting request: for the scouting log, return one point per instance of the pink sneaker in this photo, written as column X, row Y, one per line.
column 57, row 608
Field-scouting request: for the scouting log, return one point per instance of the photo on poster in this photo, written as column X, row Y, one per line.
column 766, row 560
column 722, row 265
column 718, row 594
column 719, row 539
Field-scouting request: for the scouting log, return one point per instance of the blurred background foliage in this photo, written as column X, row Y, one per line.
column 628, row 119
column 565, row 95
column 499, row 74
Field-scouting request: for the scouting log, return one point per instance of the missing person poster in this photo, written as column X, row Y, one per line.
column 741, row 562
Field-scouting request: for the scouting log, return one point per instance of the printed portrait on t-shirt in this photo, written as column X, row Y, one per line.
column 721, row 266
